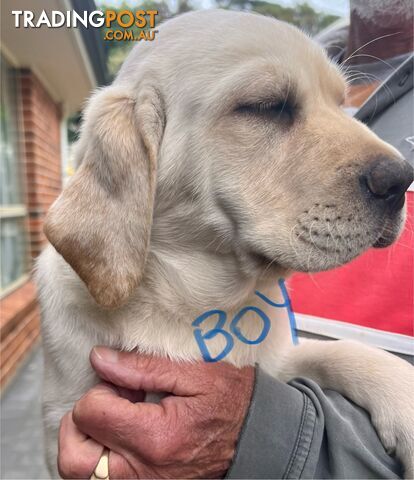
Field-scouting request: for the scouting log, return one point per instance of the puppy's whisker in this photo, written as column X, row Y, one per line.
column 375, row 58
column 337, row 250
column 368, row 43
column 310, row 234
column 293, row 239
column 357, row 75
column 269, row 265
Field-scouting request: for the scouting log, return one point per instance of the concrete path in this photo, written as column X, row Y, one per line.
column 22, row 454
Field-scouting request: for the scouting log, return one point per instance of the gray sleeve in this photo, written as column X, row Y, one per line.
column 296, row 430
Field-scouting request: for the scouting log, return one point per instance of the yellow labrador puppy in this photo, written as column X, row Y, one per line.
column 217, row 162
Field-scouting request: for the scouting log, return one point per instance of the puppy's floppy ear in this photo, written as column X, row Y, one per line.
column 101, row 222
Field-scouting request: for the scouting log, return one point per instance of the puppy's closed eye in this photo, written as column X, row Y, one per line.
column 270, row 110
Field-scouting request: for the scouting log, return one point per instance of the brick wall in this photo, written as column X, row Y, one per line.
column 39, row 133
column 42, row 152
column 19, row 329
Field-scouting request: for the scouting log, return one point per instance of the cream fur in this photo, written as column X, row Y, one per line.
column 227, row 192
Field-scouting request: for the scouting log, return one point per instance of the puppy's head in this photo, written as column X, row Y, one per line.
column 251, row 130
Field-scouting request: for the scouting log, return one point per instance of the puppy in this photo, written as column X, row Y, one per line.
column 215, row 164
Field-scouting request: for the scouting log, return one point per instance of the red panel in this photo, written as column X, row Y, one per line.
column 376, row 290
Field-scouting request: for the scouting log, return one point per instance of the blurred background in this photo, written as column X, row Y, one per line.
column 46, row 75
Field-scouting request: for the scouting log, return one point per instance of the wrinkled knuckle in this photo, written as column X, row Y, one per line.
column 77, row 413
column 67, row 465
column 82, row 408
column 73, row 465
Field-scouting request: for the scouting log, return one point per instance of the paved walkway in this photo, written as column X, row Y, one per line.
column 21, row 425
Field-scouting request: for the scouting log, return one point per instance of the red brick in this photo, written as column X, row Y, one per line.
column 40, row 120
column 41, row 138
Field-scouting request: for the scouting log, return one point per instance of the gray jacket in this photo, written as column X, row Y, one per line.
column 298, row 430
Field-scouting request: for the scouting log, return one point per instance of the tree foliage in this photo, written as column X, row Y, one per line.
column 302, row 15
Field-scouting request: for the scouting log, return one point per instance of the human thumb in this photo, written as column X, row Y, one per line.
column 137, row 371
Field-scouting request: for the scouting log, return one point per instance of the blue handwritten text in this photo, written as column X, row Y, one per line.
column 234, row 329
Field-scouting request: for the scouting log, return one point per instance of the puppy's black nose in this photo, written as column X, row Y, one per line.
column 387, row 180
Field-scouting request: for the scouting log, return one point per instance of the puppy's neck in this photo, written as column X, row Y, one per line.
column 195, row 261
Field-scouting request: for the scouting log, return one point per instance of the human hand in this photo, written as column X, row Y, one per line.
column 191, row 433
